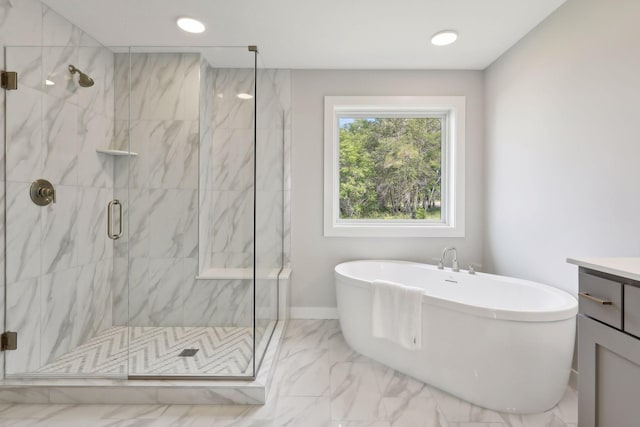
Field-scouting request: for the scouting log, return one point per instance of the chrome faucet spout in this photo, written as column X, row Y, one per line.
column 454, row 261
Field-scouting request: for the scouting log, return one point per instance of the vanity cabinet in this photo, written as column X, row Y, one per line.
column 608, row 350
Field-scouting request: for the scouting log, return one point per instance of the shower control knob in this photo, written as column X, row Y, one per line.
column 42, row 192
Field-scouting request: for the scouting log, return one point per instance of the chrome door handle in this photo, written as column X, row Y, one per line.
column 110, row 232
column 594, row 299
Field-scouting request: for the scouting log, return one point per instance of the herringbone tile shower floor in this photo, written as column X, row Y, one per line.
column 222, row 351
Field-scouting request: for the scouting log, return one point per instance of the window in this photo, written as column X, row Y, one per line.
column 394, row 166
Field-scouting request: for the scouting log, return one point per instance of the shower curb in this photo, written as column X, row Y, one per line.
column 140, row 392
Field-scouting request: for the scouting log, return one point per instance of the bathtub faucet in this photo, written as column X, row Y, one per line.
column 454, row 261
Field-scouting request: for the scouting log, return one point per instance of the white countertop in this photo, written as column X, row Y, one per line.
column 623, row 267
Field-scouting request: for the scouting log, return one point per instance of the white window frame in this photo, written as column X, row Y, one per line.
column 453, row 182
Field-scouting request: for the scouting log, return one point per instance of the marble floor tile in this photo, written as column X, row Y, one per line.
column 546, row 419
column 303, row 373
column 457, row 410
column 303, row 411
column 339, row 350
column 414, row 412
column 477, row 425
column 355, row 394
column 35, row 411
column 305, row 334
column 243, row 423
column 567, row 408
column 222, row 412
column 108, row 412
column 394, row 384
column 360, row 424
column 319, row 381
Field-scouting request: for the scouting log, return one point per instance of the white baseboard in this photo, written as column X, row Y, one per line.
column 314, row 313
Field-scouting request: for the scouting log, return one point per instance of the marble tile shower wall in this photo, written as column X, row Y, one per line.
column 50, row 313
column 162, row 201
column 226, row 195
column 167, row 133
column 213, row 302
column 227, row 184
column 58, row 257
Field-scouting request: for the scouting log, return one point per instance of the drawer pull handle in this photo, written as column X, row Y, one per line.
column 594, row 299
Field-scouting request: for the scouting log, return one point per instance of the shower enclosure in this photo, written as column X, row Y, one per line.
column 157, row 244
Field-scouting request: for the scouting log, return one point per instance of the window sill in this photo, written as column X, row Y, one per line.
column 392, row 230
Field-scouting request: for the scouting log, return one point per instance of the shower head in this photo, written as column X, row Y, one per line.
column 84, row 81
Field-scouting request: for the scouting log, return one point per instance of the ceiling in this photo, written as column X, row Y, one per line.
column 339, row 34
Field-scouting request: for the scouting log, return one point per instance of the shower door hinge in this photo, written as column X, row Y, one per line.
column 8, row 341
column 9, row 80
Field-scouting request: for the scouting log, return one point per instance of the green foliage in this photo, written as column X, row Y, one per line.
column 390, row 168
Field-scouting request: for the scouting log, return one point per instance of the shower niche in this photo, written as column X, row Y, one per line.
column 190, row 143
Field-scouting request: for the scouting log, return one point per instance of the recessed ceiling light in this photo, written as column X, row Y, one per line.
column 49, row 82
column 190, row 25
column 444, row 38
column 244, row 96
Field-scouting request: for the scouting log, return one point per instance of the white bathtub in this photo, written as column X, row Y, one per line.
column 501, row 343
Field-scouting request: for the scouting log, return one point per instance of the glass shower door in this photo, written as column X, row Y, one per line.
column 191, row 186
column 269, row 197
column 63, row 272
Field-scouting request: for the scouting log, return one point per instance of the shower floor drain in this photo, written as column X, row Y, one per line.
column 188, row 352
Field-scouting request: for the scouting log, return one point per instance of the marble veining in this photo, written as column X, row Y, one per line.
column 156, row 93
column 21, row 22
column 47, row 128
column 95, row 289
column 162, row 203
column 76, row 274
column 29, row 61
column 58, row 257
column 20, row 298
column 59, row 231
column 56, row 30
column 365, row 392
column 60, row 128
column 154, row 350
column 24, row 234
column 24, row 123
column 55, row 60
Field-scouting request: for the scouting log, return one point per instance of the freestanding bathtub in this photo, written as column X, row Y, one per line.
column 497, row 342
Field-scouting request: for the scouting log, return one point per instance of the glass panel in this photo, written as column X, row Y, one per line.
column 64, row 273
column 269, row 205
column 191, row 248
column 167, row 136
column 390, row 167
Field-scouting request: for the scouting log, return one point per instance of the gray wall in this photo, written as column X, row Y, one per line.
column 561, row 144
column 313, row 256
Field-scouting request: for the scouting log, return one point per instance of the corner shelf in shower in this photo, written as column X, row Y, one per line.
column 116, row 152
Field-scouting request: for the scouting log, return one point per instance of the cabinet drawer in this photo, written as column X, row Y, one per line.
column 632, row 310
column 601, row 289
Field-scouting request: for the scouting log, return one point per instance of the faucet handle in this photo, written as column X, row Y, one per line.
column 472, row 268
column 440, row 264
